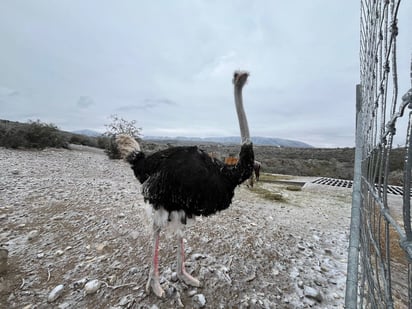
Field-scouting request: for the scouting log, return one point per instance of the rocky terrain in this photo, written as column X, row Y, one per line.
column 79, row 236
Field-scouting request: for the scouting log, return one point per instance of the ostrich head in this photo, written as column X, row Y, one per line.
column 239, row 80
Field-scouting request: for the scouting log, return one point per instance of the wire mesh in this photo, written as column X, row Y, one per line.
column 380, row 249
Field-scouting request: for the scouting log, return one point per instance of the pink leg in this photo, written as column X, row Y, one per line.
column 153, row 281
column 181, row 270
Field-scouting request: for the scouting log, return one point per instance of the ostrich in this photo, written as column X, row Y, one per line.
column 256, row 169
column 184, row 182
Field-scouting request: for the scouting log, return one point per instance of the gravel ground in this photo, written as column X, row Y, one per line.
column 74, row 217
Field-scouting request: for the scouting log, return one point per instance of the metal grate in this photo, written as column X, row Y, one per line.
column 396, row 190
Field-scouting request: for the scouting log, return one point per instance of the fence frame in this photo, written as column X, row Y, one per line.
column 373, row 227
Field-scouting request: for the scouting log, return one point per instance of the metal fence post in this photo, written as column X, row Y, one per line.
column 351, row 296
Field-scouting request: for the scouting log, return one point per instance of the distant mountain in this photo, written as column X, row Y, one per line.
column 87, row 132
column 257, row 140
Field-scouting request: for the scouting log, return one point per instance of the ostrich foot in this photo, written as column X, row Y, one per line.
column 188, row 279
column 154, row 284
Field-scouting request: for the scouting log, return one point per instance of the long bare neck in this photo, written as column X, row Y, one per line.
column 244, row 128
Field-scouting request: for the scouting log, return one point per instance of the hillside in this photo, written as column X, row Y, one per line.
column 299, row 161
column 233, row 140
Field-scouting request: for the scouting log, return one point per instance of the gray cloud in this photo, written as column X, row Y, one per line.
column 146, row 104
column 303, row 58
column 85, row 102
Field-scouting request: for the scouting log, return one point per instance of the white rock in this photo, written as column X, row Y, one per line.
column 55, row 293
column 200, row 300
column 92, row 286
column 32, row 234
column 79, row 284
column 191, row 293
column 135, row 235
column 198, row 256
column 174, row 277
column 312, row 293
column 125, row 300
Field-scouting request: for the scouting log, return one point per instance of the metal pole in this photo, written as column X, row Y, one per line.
column 351, row 296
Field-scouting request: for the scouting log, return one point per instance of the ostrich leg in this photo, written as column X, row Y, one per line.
column 153, row 281
column 181, row 270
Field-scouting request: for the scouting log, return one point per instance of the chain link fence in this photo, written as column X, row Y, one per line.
column 380, row 247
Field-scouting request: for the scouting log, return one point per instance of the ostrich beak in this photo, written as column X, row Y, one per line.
column 240, row 78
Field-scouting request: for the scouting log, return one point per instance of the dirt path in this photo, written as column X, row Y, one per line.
column 72, row 216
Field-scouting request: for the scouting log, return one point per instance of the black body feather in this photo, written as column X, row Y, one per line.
column 188, row 179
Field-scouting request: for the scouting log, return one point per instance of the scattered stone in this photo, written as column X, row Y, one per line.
column 112, row 279
column 301, row 247
column 121, row 215
column 15, row 172
column 133, row 271
column 79, row 284
column 333, row 281
column 191, row 293
column 174, row 277
column 171, row 290
column 200, row 300
column 135, row 235
column 125, row 300
column 59, row 252
column 179, row 300
column 198, row 256
column 65, row 305
column 55, row 293
column 92, row 286
column 32, row 235
column 300, row 284
column 40, row 255
column 312, row 293
column 100, row 248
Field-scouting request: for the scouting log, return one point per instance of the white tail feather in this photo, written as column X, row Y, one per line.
column 126, row 145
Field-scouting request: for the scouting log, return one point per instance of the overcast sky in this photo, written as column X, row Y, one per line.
column 169, row 64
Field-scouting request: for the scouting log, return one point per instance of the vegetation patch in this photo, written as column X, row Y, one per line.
column 294, row 188
column 268, row 194
column 265, row 177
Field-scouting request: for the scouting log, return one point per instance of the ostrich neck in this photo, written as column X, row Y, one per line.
column 244, row 128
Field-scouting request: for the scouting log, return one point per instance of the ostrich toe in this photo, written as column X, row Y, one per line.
column 188, row 279
column 154, row 285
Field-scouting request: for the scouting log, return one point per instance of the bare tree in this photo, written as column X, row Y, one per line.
column 116, row 127
column 122, row 126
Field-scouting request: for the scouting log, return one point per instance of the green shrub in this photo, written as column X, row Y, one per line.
column 35, row 134
column 112, row 150
column 41, row 135
column 84, row 140
column 13, row 138
column 103, row 142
